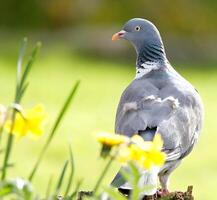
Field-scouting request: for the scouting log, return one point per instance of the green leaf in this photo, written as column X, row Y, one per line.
column 62, row 112
column 6, row 190
column 20, row 60
column 75, row 192
column 134, row 170
column 20, row 188
column 135, row 181
column 8, row 166
column 126, row 174
column 102, row 175
column 27, row 69
column 54, row 128
column 71, row 172
column 132, row 174
column 61, row 177
column 18, row 96
column 23, row 90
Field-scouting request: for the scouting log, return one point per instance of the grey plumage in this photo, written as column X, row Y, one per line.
column 160, row 101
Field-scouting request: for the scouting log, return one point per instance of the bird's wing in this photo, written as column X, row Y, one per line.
column 175, row 111
column 169, row 106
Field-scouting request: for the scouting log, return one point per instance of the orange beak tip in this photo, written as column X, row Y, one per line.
column 115, row 37
column 118, row 35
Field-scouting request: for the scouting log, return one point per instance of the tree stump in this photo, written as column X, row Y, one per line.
column 178, row 195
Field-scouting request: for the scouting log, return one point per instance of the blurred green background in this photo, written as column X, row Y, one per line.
column 76, row 37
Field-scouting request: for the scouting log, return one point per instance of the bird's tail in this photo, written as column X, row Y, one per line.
column 119, row 181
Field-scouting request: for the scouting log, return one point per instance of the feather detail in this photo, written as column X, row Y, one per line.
column 145, row 68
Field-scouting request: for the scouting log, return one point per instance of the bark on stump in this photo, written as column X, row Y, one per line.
column 174, row 195
column 178, row 195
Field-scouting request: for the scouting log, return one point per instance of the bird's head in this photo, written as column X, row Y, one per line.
column 145, row 37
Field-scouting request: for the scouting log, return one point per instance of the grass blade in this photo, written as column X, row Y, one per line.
column 26, row 71
column 71, row 172
column 23, row 90
column 8, row 147
column 75, row 192
column 102, row 175
column 20, row 60
column 54, row 128
column 9, row 165
column 49, row 187
column 61, row 177
column 62, row 112
column 18, row 96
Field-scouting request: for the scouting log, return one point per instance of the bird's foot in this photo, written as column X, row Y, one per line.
column 162, row 192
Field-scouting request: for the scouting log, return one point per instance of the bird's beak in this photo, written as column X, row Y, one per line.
column 118, row 35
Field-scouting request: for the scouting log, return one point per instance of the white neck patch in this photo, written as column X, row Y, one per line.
column 146, row 68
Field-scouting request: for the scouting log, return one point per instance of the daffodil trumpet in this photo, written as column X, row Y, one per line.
column 28, row 122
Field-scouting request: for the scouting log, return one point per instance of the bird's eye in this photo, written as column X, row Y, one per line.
column 137, row 28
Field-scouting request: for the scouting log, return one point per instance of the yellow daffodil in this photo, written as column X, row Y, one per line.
column 128, row 153
column 29, row 122
column 145, row 153
column 109, row 139
column 138, row 140
column 124, row 155
column 154, row 156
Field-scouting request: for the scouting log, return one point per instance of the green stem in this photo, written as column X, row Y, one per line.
column 1, row 130
column 99, row 181
column 10, row 137
column 20, row 89
column 2, row 125
column 9, row 147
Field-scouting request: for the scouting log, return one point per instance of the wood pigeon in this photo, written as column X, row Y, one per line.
column 158, row 100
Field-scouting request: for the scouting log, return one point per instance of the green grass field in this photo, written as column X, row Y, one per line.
column 93, row 110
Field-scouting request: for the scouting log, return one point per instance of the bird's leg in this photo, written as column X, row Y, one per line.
column 164, row 177
column 162, row 192
column 164, row 185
